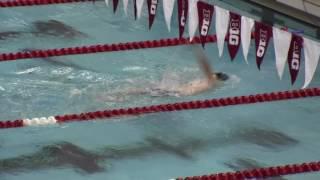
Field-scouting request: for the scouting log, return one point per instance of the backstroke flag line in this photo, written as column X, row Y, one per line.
column 289, row 45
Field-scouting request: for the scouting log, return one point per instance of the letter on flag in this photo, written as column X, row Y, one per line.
column 152, row 9
column 234, row 37
column 294, row 56
column 115, row 5
column 263, row 33
column 182, row 15
column 205, row 12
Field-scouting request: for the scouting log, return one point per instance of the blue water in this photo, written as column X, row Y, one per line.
column 210, row 138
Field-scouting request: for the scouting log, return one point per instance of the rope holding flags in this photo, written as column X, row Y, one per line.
column 236, row 30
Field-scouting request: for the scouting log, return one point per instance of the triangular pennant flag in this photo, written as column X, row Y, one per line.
column 262, row 35
column 182, row 15
column 222, row 25
column 193, row 18
column 246, row 28
column 139, row 4
column 205, row 12
column 115, row 5
column 281, row 41
column 294, row 56
column 107, row 2
column 234, row 36
column 152, row 9
column 135, row 9
column 168, row 9
column 312, row 55
column 125, row 6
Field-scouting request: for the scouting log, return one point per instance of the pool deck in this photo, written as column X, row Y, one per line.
column 298, row 14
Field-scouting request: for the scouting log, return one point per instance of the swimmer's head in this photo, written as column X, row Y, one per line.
column 221, row 76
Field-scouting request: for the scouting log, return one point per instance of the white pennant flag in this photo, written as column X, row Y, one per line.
column 193, row 18
column 125, row 6
column 282, row 40
column 139, row 7
column 107, row 2
column 246, row 28
column 222, row 25
column 312, row 55
column 168, row 9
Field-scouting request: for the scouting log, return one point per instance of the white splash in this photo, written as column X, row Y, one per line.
column 62, row 71
column 134, row 68
column 28, row 71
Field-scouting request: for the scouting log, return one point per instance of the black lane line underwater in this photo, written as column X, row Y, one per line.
column 61, row 62
column 46, row 28
column 66, row 155
column 240, row 164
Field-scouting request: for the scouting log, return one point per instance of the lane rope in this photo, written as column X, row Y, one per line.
column 261, row 173
column 179, row 106
column 99, row 48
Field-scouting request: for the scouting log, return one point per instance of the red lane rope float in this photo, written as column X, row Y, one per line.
column 268, row 172
column 17, row 3
column 199, row 104
column 103, row 48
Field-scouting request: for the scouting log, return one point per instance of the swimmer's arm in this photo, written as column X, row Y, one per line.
column 205, row 66
column 195, row 87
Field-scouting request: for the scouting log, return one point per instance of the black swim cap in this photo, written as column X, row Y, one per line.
column 222, row 76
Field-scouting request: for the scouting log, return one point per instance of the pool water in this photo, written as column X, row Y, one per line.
column 155, row 146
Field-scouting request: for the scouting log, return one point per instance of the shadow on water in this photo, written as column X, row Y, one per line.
column 46, row 28
column 264, row 137
column 58, row 62
column 65, row 154
column 68, row 155
column 239, row 164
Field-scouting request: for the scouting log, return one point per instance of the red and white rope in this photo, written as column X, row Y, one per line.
column 102, row 48
column 261, row 173
column 179, row 106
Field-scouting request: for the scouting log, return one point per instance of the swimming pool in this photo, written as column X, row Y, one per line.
column 155, row 146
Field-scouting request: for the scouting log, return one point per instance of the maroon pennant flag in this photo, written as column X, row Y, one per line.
column 205, row 12
column 262, row 35
column 234, row 35
column 294, row 56
column 115, row 5
column 182, row 15
column 152, row 9
column 135, row 9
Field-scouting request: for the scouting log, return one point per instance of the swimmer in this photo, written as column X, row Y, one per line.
column 211, row 81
